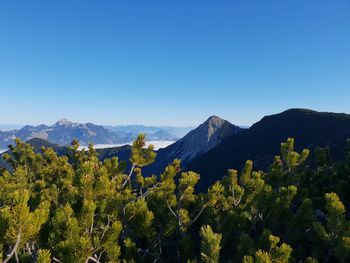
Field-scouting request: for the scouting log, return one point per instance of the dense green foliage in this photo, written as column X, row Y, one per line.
column 76, row 208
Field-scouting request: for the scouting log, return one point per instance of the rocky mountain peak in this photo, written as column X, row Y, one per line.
column 214, row 120
column 64, row 122
column 197, row 142
column 207, row 135
column 212, row 125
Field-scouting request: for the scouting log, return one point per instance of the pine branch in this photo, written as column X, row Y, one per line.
column 129, row 176
column 14, row 249
column 56, row 260
column 198, row 215
column 171, row 210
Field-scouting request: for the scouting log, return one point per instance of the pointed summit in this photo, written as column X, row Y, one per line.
column 197, row 142
column 64, row 122
column 211, row 131
column 214, row 119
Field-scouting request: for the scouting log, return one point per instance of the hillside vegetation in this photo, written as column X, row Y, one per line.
column 76, row 208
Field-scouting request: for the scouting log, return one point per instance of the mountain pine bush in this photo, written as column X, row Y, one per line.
column 76, row 208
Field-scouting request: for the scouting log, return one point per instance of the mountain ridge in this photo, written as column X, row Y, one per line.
column 198, row 141
column 261, row 142
column 62, row 132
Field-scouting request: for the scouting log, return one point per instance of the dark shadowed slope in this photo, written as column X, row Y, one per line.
column 122, row 152
column 262, row 141
column 38, row 143
column 198, row 141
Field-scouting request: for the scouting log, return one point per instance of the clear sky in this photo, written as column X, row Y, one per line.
column 171, row 62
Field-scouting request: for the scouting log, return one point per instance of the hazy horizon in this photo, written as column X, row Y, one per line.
column 11, row 126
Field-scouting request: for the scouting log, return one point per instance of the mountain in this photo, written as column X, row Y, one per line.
column 133, row 128
column 161, row 135
column 261, row 142
column 7, row 138
column 153, row 133
column 38, row 143
column 178, row 132
column 122, row 152
column 62, row 133
column 198, row 141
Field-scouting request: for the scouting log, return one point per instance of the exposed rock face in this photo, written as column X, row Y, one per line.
column 207, row 135
column 66, row 123
column 198, row 141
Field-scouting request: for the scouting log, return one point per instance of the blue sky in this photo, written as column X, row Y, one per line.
column 171, row 62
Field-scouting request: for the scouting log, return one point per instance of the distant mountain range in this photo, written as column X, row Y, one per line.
column 153, row 133
column 198, row 141
column 64, row 131
column 216, row 145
